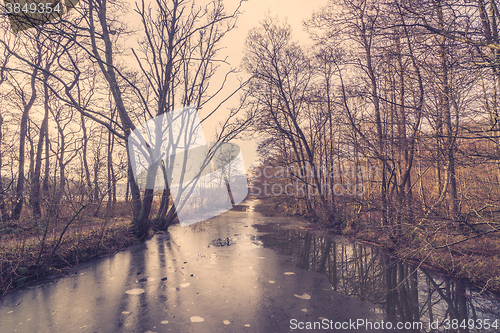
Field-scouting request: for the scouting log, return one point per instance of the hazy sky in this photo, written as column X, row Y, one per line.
column 295, row 11
column 253, row 11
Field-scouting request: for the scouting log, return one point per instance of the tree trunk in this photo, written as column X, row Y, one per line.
column 84, row 156
column 446, row 112
column 111, row 182
column 4, row 216
column 35, row 182
column 107, row 68
column 45, row 183
column 16, row 212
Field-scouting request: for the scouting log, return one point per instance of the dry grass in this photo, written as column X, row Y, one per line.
column 22, row 258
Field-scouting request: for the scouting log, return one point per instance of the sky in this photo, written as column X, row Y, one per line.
column 295, row 12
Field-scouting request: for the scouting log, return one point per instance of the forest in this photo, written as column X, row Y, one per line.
column 385, row 127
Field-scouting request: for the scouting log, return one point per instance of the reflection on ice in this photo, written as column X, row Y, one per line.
column 402, row 291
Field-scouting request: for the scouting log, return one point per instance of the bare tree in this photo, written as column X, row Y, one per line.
column 27, row 104
column 282, row 75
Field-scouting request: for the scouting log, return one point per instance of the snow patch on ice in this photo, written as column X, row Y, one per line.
column 136, row 291
column 196, row 319
column 305, row 296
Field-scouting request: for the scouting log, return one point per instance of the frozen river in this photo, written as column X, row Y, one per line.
column 243, row 272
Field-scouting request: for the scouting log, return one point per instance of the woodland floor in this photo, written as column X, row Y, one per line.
column 25, row 256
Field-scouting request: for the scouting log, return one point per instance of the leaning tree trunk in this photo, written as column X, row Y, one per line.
column 140, row 210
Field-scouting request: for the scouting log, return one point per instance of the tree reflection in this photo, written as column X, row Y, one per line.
column 405, row 292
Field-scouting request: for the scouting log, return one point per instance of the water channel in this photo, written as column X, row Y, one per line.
column 243, row 272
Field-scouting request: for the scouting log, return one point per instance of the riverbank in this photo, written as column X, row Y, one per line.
column 473, row 256
column 30, row 250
